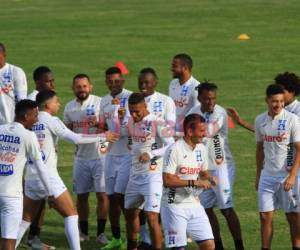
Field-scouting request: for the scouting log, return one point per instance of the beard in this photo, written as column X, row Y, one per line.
column 82, row 95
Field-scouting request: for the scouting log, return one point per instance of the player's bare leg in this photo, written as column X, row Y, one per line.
column 82, row 205
column 132, row 226
column 294, row 222
column 102, row 212
column 266, row 222
column 114, row 216
column 37, row 222
column 215, row 227
column 206, row 245
column 8, row 244
column 155, row 229
column 233, row 223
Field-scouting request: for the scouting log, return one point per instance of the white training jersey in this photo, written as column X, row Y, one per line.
column 182, row 160
column 184, row 97
column 17, row 144
column 79, row 116
column 146, row 136
column 294, row 107
column 32, row 95
column 216, row 138
column 13, row 88
column 278, row 136
column 108, row 114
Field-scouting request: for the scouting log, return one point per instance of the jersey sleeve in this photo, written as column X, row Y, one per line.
column 295, row 130
column 194, row 96
column 205, row 157
column 258, row 135
column 67, row 119
column 33, row 150
column 170, row 161
column 170, row 111
column 215, row 126
column 20, row 84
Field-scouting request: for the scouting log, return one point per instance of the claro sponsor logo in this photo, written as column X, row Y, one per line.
column 189, row 170
column 275, row 138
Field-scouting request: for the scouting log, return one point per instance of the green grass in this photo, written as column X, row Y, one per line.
column 89, row 36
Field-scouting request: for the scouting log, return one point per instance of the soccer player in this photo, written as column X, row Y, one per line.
column 48, row 130
column 17, row 143
column 118, row 158
column 43, row 79
column 163, row 107
column 184, row 162
column 182, row 87
column 13, row 87
column 277, row 161
column 150, row 140
column 81, row 116
column 221, row 165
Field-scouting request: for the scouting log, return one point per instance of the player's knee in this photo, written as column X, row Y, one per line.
column 152, row 219
column 265, row 218
column 206, row 245
column 209, row 212
column 102, row 198
column 82, row 198
column 227, row 212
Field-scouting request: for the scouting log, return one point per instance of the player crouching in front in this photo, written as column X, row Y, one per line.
column 184, row 162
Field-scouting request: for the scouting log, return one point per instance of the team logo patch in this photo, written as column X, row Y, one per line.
column 281, row 125
column 6, row 169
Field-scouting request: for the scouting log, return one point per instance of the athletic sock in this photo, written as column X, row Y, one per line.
column 144, row 234
column 265, row 248
column 100, row 226
column 219, row 244
column 131, row 244
column 116, row 232
column 296, row 248
column 34, row 230
column 84, row 227
column 22, row 230
column 239, row 244
column 72, row 232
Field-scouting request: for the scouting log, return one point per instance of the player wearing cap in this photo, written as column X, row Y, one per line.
column 163, row 107
column 182, row 87
column 221, row 164
column 118, row 158
column 150, row 139
column 43, row 80
column 48, row 130
column 278, row 159
column 13, row 87
column 184, row 162
column 81, row 116
column 17, row 144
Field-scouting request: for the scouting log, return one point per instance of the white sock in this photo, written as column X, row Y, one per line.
column 144, row 234
column 22, row 230
column 72, row 232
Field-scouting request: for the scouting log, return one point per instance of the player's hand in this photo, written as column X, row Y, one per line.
column 144, row 157
column 213, row 180
column 205, row 184
column 115, row 101
column 121, row 113
column 289, row 182
column 111, row 137
column 234, row 114
column 51, row 201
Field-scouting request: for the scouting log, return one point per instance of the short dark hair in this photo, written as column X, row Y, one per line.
column 44, row 96
column 274, row 89
column 185, row 59
column 136, row 98
column 206, row 85
column 191, row 120
column 289, row 81
column 23, row 107
column 149, row 70
column 113, row 70
column 39, row 71
column 80, row 76
column 2, row 46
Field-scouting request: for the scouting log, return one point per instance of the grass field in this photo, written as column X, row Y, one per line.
column 89, row 36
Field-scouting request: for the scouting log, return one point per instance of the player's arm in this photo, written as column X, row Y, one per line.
column 259, row 161
column 236, row 117
column 205, row 175
column 63, row 132
column 20, row 84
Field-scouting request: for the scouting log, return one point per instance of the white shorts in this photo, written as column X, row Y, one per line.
column 88, row 176
column 271, row 195
column 34, row 189
column 11, row 212
column 221, row 195
column 144, row 196
column 117, row 170
column 178, row 222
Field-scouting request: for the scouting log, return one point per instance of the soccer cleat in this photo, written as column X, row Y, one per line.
column 144, row 246
column 123, row 245
column 84, row 237
column 101, row 239
column 114, row 243
column 36, row 244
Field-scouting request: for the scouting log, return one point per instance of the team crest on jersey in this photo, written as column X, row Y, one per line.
column 123, row 102
column 157, row 107
column 184, row 91
column 90, row 110
column 6, row 169
column 281, row 125
column 219, row 156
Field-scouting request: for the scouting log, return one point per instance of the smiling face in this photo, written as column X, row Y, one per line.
column 115, row 83
column 138, row 111
column 147, row 83
column 82, row 88
column 208, row 100
column 275, row 104
column 197, row 133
